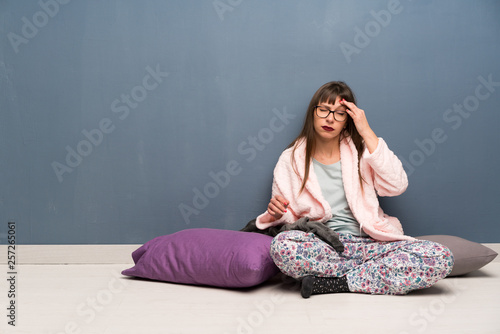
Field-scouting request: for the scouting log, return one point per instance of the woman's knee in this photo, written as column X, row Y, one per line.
column 446, row 258
column 285, row 244
column 437, row 256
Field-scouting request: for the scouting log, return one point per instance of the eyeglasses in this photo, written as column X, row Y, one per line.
column 338, row 115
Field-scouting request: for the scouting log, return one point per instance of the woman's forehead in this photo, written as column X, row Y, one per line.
column 330, row 101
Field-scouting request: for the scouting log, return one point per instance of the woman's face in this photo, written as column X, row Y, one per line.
column 328, row 128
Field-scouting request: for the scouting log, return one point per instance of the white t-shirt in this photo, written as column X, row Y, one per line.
column 332, row 188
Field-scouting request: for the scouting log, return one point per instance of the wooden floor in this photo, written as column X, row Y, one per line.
column 90, row 298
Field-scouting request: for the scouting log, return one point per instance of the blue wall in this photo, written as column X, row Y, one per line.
column 124, row 120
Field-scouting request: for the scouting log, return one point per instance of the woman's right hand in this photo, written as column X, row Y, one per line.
column 277, row 206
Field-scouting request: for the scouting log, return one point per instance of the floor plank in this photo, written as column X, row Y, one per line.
column 97, row 299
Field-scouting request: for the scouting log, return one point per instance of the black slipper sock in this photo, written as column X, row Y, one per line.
column 317, row 285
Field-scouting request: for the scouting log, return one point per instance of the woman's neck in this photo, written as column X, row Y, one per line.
column 327, row 152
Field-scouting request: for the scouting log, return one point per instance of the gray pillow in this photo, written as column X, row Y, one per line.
column 469, row 255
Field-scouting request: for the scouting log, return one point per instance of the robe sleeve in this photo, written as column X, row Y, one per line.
column 389, row 176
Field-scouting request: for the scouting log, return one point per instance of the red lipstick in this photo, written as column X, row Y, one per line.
column 327, row 128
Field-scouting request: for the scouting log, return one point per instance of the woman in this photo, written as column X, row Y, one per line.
column 332, row 173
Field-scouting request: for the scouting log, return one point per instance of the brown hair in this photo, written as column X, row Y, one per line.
column 327, row 94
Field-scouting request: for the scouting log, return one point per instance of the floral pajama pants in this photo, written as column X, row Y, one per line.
column 370, row 266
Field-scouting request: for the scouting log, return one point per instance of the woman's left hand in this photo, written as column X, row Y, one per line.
column 361, row 123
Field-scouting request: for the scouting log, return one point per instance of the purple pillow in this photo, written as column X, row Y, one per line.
column 203, row 256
